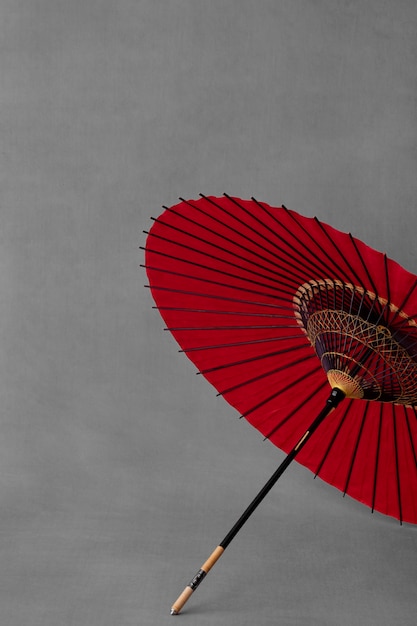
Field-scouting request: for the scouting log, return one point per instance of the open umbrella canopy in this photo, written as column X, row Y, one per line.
column 272, row 307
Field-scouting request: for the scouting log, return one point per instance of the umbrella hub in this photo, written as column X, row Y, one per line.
column 362, row 354
column 349, row 385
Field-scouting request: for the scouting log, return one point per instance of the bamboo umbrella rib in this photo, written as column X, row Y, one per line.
column 213, row 282
column 387, row 281
column 407, row 417
column 404, row 303
column 217, row 270
column 344, row 422
column 256, row 232
column 377, row 455
column 234, row 327
column 215, row 258
column 397, row 467
column 213, row 296
column 405, row 324
column 275, row 232
column 407, row 411
column 307, row 266
column 222, row 312
column 313, row 240
column 275, row 395
column 298, row 407
column 343, row 258
column 364, row 266
column 355, row 450
column 271, row 372
column 220, row 235
column 300, row 243
column 264, row 268
column 341, row 421
column 240, row 221
column 238, row 343
column 361, row 261
column 223, row 225
column 252, row 359
column 289, row 263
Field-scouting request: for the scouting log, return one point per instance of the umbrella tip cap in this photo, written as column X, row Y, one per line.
column 350, row 386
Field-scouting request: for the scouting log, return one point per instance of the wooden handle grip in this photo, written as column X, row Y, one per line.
column 192, row 586
column 181, row 600
column 213, row 558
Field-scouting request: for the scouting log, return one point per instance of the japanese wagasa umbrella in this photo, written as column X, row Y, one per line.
column 289, row 319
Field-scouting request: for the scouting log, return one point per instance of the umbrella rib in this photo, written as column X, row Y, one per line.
column 378, row 446
column 342, row 308
column 319, row 267
column 209, row 295
column 386, row 373
column 357, row 321
column 220, row 312
column 252, row 241
column 352, row 292
column 274, row 232
column 333, row 439
column 307, row 266
column 231, row 240
column 410, row 435
column 344, row 259
column 407, row 297
column 387, row 281
column 214, row 269
column 258, row 357
column 235, row 327
column 252, row 215
column 406, row 321
column 314, row 241
column 218, row 258
column 218, row 284
column 297, row 408
column 222, row 248
column 229, row 226
column 222, row 272
column 213, row 217
column 239, row 343
column 364, row 266
column 319, row 292
column 410, row 348
column 274, row 395
column 264, row 375
column 397, row 466
column 239, row 220
column 352, row 462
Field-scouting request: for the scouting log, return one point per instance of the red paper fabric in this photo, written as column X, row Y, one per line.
column 223, row 273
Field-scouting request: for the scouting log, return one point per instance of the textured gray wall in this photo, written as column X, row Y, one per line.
column 119, row 469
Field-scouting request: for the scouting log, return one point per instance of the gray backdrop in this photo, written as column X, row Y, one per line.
column 120, row 470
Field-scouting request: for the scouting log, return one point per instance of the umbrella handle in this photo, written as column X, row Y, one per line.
column 335, row 397
column 193, row 584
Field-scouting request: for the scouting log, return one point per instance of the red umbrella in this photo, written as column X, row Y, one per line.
column 271, row 307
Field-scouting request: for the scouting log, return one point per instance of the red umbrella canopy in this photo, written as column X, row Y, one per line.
column 272, row 307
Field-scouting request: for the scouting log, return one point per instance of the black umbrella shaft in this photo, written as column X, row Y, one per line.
column 335, row 397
